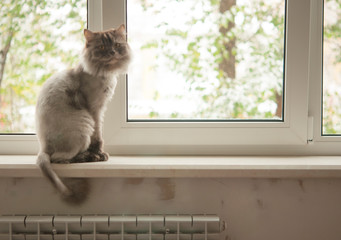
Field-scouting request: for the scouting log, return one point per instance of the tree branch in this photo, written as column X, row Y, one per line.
column 228, row 63
column 3, row 55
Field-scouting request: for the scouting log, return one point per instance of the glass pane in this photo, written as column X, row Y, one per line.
column 38, row 38
column 206, row 60
column 332, row 67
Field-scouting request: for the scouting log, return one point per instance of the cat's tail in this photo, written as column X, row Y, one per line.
column 73, row 191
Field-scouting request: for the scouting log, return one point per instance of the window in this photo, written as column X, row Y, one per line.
column 38, row 38
column 297, row 130
column 332, row 68
column 221, row 137
column 206, row 60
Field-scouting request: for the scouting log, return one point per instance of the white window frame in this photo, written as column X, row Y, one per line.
column 298, row 134
column 324, row 144
column 222, row 137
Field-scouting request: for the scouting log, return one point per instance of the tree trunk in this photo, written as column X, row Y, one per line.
column 3, row 55
column 228, row 63
column 279, row 102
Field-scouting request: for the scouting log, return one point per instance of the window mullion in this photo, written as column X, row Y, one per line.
column 95, row 16
column 315, row 70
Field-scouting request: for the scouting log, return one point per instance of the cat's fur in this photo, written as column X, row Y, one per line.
column 70, row 108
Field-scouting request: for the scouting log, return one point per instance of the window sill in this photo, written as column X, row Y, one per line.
column 183, row 167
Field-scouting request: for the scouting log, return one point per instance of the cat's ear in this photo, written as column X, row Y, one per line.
column 121, row 29
column 88, row 35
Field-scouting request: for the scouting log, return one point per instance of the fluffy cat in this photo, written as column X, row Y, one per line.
column 71, row 105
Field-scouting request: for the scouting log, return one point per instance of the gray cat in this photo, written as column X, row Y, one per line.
column 71, row 105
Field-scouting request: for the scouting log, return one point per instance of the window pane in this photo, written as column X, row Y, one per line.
column 332, row 67
column 199, row 59
column 38, row 38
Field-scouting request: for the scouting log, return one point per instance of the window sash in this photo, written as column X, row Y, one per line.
column 316, row 75
column 121, row 134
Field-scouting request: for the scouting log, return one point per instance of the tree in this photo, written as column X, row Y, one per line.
column 236, row 64
column 32, row 33
column 332, row 66
column 228, row 63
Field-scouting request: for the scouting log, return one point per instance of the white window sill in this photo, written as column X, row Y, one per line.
column 182, row 167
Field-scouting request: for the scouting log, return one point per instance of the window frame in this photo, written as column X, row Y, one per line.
column 298, row 134
column 127, row 137
column 316, row 76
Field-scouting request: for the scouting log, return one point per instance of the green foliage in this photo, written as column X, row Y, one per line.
column 201, row 61
column 332, row 43
column 36, row 30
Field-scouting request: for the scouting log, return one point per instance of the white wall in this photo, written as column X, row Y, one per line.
column 253, row 208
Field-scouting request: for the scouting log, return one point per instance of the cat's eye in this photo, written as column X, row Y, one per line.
column 101, row 47
column 117, row 44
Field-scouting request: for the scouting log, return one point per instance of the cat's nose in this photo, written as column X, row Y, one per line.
column 112, row 52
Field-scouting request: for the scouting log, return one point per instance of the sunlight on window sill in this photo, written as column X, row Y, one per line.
column 182, row 167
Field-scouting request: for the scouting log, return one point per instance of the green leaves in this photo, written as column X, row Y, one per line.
column 149, row 45
column 39, row 47
column 177, row 33
column 247, row 38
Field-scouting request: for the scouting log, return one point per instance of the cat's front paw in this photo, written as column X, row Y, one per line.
column 103, row 156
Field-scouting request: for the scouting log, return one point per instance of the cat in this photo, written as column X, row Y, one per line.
column 71, row 105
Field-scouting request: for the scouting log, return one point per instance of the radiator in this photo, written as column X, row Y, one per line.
column 112, row 227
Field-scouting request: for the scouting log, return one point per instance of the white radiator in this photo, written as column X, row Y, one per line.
column 113, row 227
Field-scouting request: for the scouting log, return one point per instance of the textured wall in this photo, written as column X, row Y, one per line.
column 253, row 208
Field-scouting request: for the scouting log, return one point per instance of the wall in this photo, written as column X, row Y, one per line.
column 253, row 208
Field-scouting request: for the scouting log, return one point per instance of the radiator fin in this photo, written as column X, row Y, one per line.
column 111, row 227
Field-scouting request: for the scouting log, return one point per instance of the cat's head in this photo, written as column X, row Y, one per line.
column 106, row 52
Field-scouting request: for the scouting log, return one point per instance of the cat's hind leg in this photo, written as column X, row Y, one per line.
column 70, row 146
column 62, row 157
column 67, row 152
column 70, row 137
